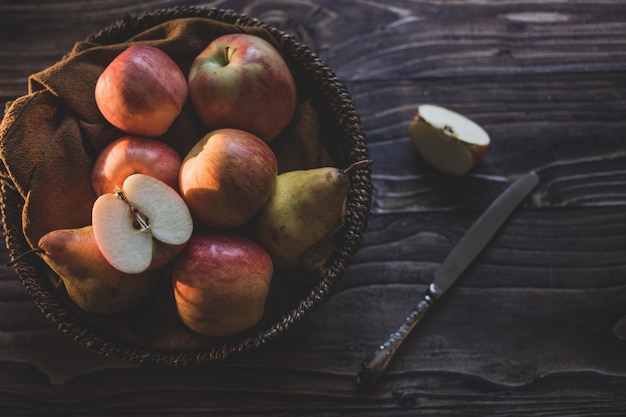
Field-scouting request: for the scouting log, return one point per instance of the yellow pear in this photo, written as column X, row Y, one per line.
column 89, row 279
column 305, row 207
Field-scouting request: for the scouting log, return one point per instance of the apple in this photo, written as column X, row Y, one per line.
column 221, row 282
column 142, row 225
column 227, row 178
column 447, row 140
column 134, row 155
column 242, row 81
column 141, row 91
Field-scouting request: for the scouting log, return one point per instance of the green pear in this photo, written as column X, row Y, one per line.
column 89, row 279
column 306, row 206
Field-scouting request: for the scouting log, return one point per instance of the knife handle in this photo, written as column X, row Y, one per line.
column 375, row 364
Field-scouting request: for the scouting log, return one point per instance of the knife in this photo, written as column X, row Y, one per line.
column 466, row 250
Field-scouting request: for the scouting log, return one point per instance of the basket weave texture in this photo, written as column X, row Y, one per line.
column 338, row 110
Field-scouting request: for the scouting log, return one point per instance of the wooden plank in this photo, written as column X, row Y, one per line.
column 406, row 40
column 530, row 121
column 536, row 326
column 546, row 319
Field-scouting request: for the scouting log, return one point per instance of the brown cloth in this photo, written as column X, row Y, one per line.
column 50, row 137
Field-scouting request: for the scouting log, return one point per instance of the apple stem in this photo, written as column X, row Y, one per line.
column 227, row 55
column 141, row 222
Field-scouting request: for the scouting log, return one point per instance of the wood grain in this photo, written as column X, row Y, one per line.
column 536, row 325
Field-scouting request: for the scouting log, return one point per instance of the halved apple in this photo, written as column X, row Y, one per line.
column 142, row 225
column 447, row 140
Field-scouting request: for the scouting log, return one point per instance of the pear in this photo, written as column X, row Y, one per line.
column 306, row 206
column 89, row 279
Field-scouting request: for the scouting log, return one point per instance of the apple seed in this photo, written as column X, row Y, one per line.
column 141, row 222
column 449, row 130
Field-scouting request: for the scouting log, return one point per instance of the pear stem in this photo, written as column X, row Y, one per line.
column 28, row 252
column 141, row 223
column 358, row 163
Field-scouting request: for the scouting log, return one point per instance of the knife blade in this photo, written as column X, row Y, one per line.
column 465, row 251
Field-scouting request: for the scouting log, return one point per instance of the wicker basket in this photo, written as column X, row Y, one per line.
column 338, row 110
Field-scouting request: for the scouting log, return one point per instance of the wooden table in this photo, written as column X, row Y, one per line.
column 535, row 326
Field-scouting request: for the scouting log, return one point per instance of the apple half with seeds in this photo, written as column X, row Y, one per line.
column 141, row 226
column 447, row 140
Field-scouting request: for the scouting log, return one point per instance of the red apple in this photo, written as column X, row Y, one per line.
column 141, row 91
column 134, row 155
column 242, row 81
column 221, row 282
column 447, row 140
column 227, row 177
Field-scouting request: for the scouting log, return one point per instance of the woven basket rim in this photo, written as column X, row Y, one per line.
column 357, row 207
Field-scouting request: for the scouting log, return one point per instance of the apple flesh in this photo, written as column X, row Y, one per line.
column 134, row 155
column 143, row 225
column 221, row 282
column 141, row 91
column 447, row 140
column 242, row 81
column 227, row 178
